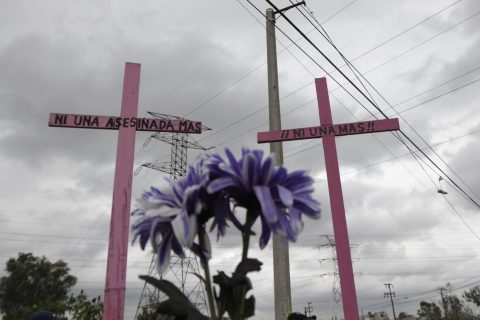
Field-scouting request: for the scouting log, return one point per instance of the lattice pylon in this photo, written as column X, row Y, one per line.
column 336, row 292
column 180, row 272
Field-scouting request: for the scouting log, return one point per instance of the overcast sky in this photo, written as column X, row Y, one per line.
column 206, row 60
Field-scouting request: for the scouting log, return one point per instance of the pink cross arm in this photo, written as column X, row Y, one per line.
column 87, row 121
column 341, row 129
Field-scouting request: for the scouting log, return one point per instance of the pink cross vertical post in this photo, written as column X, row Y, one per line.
column 342, row 244
column 114, row 299
column 327, row 131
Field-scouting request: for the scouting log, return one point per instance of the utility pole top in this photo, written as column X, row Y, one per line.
column 289, row 7
column 390, row 294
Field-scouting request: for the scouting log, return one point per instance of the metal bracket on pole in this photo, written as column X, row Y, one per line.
column 289, row 7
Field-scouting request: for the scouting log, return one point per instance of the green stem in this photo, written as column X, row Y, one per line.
column 245, row 241
column 246, row 235
column 206, row 269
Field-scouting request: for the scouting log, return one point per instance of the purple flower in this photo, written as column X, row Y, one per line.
column 169, row 218
column 153, row 227
column 192, row 206
column 279, row 198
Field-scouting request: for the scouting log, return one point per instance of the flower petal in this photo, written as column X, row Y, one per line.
column 296, row 220
column 206, row 246
column 267, row 171
column 181, row 227
column 249, row 171
column 265, row 235
column 307, row 205
column 233, row 162
column 177, row 248
column 192, row 220
column 220, row 184
column 285, row 228
column 285, row 196
column 278, row 175
column 164, row 254
column 265, row 199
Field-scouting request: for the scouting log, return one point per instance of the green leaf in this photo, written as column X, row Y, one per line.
column 246, row 266
column 249, row 309
column 166, row 287
column 178, row 304
column 233, row 290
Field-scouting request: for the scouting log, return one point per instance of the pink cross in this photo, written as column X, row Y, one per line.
column 127, row 124
column 327, row 131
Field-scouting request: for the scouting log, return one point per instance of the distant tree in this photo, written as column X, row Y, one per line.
column 468, row 313
column 429, row 311
column 455, row 307
column 297, row 316
column 473, row 295
column 404, row 316
column 382, row 315
column 149, row 311
column 82, row 308
column 33, row 284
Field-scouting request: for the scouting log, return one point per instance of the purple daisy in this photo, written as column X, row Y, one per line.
column 279, row 198
column 192, row 206
column 175, row 228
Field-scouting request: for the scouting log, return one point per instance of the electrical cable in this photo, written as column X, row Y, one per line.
column 355, row 70
column 458, row 188
column 198, row 69
column 339, row 11
column 439, row 96
column 405, row 30
column 403, row 101
column 293, row 41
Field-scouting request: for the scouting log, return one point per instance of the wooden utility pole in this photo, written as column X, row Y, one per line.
column 445, row 305
column 391, row 295
column 281, row 264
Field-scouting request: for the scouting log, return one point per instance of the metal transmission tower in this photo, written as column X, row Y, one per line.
column 336, row 292
column 180, row 272
column 337, row 295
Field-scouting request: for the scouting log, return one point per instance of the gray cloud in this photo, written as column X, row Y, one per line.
column 56, row 183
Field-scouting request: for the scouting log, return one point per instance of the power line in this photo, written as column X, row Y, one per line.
column 285, row 48
column 439, row 96
column 405, row 110
column 344, row 75
column 339, row 11
column 459, row 189
column 436, row 86
column 255, row 112
column 406, row 30
column 354, row 70
column 293, row 42
column 406, row 154
column 421, row 43
column 212, row 58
